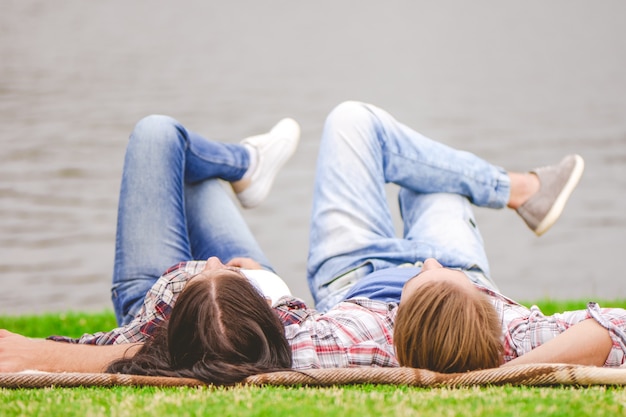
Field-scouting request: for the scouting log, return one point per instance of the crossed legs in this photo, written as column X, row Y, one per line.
column 362, row 149
column 172, row 208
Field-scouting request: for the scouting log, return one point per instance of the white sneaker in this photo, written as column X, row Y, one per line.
column 273, row 150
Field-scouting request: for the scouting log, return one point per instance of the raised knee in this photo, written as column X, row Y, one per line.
column 349, row 110
column 155, row 123
column 155, row 128
column 351, row 119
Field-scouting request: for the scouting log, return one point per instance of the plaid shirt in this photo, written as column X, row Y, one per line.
column 359, row 332
column 525, row 329
column 355, row 333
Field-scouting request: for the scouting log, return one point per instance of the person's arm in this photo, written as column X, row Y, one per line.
column 585, row 343
column 20, row 353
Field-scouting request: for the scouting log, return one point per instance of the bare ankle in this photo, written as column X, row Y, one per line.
column 523, row 186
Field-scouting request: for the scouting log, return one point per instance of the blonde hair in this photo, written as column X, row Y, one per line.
column 447, row 328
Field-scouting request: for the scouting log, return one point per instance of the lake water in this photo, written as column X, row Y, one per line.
column 519, row 83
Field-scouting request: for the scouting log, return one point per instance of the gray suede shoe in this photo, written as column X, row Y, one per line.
column 557, row 182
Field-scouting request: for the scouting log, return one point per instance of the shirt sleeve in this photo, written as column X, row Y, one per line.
column 156, row 309
column 526, row 332
column 614, row 320
column 354, row 333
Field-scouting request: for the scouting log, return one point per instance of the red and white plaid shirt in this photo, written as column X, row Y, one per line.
column 355, row 333
column 359, row 332
column 525, row 329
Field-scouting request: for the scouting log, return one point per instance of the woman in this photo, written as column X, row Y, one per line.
column 172, row 208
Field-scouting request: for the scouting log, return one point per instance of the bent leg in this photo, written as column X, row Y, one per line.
column 363, row 148
column 445, row 224
column 216, row 226
column 152, row 226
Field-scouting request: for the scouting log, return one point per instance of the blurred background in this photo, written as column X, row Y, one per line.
column 518, row 83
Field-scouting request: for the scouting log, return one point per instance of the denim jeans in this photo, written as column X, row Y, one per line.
column 352, row 231
column 173, row 208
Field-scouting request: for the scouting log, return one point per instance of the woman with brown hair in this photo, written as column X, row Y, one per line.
column 201, row 319
column 212, row 335
column 208, row 320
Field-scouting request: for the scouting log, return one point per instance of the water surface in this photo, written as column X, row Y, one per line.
column 520, row 84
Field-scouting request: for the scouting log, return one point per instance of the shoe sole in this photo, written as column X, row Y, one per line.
column 561, row 200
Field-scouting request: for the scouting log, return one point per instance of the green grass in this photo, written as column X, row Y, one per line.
column 361, row 401
column 358, row 401
column 71, row 324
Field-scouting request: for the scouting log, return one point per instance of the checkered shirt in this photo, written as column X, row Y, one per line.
column 355, row 333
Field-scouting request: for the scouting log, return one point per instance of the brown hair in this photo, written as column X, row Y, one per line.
column 221, row 330
column 447, row 328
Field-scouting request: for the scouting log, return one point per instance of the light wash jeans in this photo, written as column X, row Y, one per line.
column 173, row 208
column 352, row 233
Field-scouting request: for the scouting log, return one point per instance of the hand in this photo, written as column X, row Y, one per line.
column 19, row 353
column 245, row 263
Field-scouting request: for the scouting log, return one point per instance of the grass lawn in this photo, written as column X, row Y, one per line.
column 364, row 400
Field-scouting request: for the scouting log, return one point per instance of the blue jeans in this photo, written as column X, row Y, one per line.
column 352, row 232
column 173, row 208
